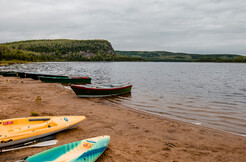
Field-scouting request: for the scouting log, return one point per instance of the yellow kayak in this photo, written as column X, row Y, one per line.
column 20, row 130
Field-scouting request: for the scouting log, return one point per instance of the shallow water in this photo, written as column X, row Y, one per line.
column 210, row 94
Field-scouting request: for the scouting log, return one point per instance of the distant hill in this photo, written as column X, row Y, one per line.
column 96, row 50
column 182, row 57
column 62, row 50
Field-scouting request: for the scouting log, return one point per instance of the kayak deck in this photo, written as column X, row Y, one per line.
column 14, row 131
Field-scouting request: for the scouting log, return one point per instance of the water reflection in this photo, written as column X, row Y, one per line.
column 118, row 99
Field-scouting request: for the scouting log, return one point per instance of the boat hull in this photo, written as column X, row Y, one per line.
column 93, row 92
column 86, row 150
column 66, row 80
column 21, row 74
column 9, row 74
column 36, row 76
column 4, row 72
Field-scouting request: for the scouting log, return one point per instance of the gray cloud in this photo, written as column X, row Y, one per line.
column 195, row 26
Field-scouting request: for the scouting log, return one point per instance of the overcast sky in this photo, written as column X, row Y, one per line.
column 193, row 26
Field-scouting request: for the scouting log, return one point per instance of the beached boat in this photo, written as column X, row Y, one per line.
column 9, row 74
column 86, row 150
column 101, row 90
column 35, row 75
column 2, row 72
column 21, row 74
column 20, row 130
column 66, row 79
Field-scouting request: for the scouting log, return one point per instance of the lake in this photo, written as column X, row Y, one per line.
column 208, row 94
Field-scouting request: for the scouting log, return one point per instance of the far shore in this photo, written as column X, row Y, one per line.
column 135, row 135
column 2, row 63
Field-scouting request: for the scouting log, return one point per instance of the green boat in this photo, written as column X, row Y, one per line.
column 35, row 75
column 66, row 79
column 9, row 74
column 101, row 90
column 2, row 72
column 21, row 74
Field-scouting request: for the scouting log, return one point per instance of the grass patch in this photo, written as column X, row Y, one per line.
column 34, row 114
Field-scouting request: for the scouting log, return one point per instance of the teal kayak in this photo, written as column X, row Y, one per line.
column 86, row 150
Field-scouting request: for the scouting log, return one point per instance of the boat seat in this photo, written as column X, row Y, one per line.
column 39, row 119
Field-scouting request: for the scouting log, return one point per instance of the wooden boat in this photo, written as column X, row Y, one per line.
column 21, row 74
column 65, row 79
column 9, row 74
column 86, row 150
column 20, row 130
column 101, row 90
column 2, row 72
column 35, row 75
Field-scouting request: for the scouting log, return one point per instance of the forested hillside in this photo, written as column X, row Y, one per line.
column 64, row 49
column 8, row 53
column 61, row 50
column 182, row 57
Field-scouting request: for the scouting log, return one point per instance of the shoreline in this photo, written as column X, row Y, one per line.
column 135, row 135
column 195, row 124
column 179, row 120
column 186, row 122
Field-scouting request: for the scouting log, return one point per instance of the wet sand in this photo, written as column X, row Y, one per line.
column 135, row 135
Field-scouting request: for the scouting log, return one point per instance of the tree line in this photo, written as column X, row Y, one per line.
column 61, row 50
column 165, row 56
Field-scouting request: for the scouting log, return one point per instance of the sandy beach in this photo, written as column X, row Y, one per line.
column 135, row 135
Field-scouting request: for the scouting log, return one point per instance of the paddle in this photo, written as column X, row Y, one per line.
column 40, row 144
column 42, row 139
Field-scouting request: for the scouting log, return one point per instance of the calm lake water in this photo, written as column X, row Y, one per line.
column 209, row 94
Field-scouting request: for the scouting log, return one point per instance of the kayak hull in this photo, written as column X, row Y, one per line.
column 85, row 150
